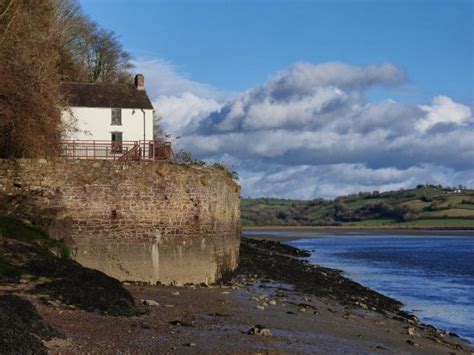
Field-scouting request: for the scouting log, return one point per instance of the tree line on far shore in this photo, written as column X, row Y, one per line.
column 44, row 42
column 424, row 205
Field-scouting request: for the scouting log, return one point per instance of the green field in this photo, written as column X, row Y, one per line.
column 442, row 223
column 422, row 207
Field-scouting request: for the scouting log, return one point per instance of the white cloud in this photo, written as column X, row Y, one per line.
column 443, row 110
column 186, row 110
column 164, row 78
column 329, row 181
column 310, row 131
column 179, row 101
column 305, row 76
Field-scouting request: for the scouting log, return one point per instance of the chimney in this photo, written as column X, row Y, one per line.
column 139, row 82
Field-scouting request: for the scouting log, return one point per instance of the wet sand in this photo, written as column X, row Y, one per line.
column 216, row 320
column 318, row 311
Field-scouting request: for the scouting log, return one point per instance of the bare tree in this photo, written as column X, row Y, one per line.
column 41, row 43
column 107, row 61
column 30, row 100
column 88, row 52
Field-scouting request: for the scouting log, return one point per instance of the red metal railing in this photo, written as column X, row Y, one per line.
column 126, row 150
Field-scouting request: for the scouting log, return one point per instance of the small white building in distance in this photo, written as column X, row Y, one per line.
column 109, row 112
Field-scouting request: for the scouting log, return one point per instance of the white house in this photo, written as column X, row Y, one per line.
column 109, row 112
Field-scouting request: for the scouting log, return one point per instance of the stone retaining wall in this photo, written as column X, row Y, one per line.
column 138, row 221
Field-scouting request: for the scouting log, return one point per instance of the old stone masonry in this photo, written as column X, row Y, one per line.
column 137, row 221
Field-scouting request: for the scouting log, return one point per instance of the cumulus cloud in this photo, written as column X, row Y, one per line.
column 305, row 95
column 182, row 112
column 329, row 181
column 443, row 110
column 311, row 131
column 305, row 76
column 179, row 101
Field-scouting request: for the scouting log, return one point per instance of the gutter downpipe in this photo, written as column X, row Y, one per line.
column 144, row 133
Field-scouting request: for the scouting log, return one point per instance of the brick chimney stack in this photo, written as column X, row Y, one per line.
column 140, row 82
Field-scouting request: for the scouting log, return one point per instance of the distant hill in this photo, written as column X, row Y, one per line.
column 426, row 206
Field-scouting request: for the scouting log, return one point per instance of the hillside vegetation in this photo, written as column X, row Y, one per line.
column 426, row 206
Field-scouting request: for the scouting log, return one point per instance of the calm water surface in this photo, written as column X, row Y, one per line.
column 432, row 275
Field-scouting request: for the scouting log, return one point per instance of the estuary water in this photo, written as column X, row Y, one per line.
column 433, row 276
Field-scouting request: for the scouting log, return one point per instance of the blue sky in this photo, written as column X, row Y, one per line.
column 234, row 45
column 202, row 58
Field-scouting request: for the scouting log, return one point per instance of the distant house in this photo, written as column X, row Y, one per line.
column 109, row 112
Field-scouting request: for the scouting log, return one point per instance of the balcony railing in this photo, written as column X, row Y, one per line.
column 107, row 150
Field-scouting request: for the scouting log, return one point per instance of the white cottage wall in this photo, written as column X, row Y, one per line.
column 95, row 123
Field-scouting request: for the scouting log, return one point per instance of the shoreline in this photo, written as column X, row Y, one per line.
column 318, row 232
column 382, row 304
column 343, row 229
column 284, row 239
column 304, row 308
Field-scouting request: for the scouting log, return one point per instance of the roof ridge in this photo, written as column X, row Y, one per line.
column 85, row 83
column 105, row 95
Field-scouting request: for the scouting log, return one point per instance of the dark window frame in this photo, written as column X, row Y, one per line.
column 116, row 117
column 116, row 138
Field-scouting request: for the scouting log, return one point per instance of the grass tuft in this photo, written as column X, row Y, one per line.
column 13, row 228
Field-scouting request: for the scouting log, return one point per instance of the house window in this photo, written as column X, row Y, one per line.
column 116, row 116
column 116, row 142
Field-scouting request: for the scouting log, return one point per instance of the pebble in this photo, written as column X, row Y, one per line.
column 302, row 309
column 411, row 331
column 272, row 302
column 145, row 326
column 150, row 303
column 190, row 344
column 175, row 293
column 261, row 307
column 259, row 330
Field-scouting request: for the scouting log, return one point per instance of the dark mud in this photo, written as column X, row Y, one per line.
column 278, row 262
column 64, row 280
column 82, row 287
column 22, row 328
column 274, row 247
